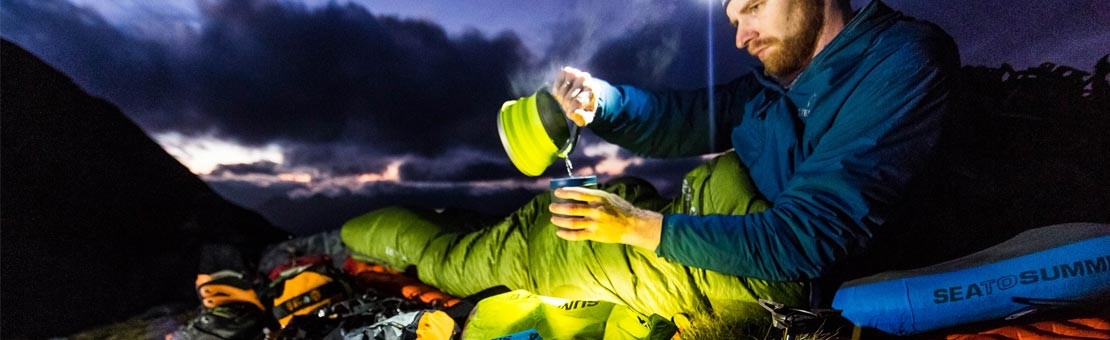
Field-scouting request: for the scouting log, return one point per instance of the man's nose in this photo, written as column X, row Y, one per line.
column 744, row 36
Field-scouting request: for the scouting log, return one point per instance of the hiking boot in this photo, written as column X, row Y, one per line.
column 230, row 311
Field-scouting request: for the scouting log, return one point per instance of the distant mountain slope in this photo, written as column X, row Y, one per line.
column 98, row 222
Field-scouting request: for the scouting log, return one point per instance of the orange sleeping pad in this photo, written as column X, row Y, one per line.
column 389, row 281
column 1085, row 328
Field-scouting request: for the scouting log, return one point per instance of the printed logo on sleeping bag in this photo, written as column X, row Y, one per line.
column 1033, row 276
column 577, row 304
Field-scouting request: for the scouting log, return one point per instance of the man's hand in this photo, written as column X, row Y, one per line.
column 573, row 89
column 604, row 217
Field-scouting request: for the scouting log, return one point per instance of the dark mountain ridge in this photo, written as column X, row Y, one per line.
column 98, row 221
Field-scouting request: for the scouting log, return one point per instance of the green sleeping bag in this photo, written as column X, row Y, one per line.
column 553, row 318
column 523, row 252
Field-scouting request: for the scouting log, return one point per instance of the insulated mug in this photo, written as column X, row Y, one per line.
column 583, row 181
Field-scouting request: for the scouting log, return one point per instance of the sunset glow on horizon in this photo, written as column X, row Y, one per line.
column 203, row 154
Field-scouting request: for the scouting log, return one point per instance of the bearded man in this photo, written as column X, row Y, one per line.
column 826, row 141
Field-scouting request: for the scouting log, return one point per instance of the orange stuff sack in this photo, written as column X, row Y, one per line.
column 435, row 325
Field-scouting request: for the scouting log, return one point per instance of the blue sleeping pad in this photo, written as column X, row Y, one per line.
column 1049, row 266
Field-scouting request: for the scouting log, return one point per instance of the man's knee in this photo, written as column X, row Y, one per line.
column 637, row 191
column 721, row 186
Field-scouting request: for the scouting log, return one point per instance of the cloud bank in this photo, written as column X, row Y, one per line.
column 332, row 100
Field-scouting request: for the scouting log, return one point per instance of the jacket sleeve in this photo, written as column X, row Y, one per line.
column 670, row 124
column 857, row 173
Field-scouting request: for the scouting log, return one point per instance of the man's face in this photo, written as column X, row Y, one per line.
column 780, row 33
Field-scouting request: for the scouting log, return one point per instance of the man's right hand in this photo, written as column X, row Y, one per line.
column 574, row 91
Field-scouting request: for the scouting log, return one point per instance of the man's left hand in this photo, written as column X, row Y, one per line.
column 604, row 217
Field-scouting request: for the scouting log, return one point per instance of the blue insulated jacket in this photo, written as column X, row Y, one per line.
column 834, row 153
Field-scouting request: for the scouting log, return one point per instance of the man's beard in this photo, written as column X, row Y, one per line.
column 794, row 50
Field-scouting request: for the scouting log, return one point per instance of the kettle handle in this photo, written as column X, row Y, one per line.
column 571, row 141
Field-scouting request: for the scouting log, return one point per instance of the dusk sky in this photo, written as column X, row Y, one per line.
column 292, row 99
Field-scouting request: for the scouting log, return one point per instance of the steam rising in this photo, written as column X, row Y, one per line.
column 594, row 26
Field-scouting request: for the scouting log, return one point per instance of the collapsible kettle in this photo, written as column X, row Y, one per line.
column 535, row 132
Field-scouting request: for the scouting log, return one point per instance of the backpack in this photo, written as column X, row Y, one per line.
column 305, row 287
